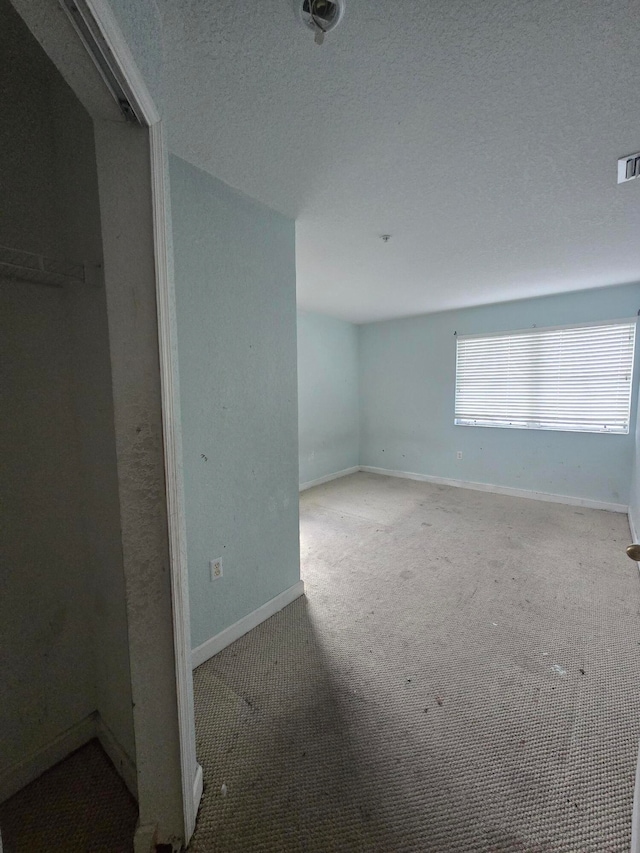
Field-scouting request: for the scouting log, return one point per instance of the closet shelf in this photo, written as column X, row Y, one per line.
column 28, row 266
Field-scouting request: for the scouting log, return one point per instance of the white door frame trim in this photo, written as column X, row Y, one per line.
column 191, row 772
column 107, row 25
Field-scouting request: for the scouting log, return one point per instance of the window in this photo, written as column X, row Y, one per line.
column 574, row 378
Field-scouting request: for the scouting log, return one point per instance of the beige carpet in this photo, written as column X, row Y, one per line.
column 463, row 675
column 79, row 806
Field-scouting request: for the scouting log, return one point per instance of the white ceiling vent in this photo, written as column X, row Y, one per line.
column 320, row 16
column 628, row 168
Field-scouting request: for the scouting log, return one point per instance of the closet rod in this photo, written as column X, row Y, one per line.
column 39, row 269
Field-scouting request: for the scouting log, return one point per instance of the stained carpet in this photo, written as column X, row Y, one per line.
column 463, row 674
column 79, row 806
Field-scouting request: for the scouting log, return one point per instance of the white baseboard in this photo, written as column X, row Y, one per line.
column 144, row 840
column 499, row 490
column 480, row 487
column 635, row 531
column 119, row 758
column 211, row 647
column 198, row 787
column 14, row 778
column 328, row 477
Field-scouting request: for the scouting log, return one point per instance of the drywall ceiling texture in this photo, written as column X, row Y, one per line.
column 482, row 136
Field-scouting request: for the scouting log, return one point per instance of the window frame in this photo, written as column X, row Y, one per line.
column 466, row 421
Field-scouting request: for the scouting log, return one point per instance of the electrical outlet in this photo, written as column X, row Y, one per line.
column 459, row 454
column 216, row 569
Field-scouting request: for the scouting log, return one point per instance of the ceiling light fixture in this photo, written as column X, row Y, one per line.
column 320, row 16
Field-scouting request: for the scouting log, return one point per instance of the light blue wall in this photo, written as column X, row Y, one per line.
column 327, row 395
column 407, row 376
column 236, row 310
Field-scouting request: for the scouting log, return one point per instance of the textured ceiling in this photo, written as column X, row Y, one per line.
column 483, row 136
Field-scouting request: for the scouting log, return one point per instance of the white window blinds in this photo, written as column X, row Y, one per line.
column 576, row 378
